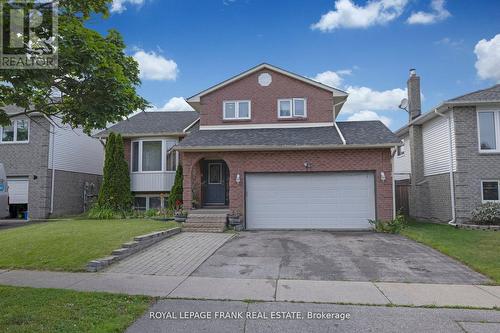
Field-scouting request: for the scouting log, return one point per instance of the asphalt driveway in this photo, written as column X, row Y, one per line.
column 324, row 255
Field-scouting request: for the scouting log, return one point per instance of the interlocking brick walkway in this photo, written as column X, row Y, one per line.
column 179, row 255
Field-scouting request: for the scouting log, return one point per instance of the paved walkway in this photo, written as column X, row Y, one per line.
column 378, row 293
column 179, row 255
column 361, row 318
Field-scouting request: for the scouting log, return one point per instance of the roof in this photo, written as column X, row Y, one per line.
column 153, row 123
column 484, row 96
column 491, row 94
column 356, row 134
column 335, row 91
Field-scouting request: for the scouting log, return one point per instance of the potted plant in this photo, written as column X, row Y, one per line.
column 180, row 213
column 234, row 219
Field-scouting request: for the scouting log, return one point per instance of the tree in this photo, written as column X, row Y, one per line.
column 94, row 79
column 115, row 189
column 175, row 195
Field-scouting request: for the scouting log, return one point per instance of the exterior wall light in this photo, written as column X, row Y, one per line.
column 238, row 179
column 382, row 176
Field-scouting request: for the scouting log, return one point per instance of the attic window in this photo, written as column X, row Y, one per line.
column 236, row 110
column 292, row 108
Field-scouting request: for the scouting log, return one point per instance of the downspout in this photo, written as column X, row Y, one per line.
column 393, row 186
column 452, row 181
column 52, row 181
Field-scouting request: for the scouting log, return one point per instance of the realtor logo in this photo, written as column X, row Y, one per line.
column 28, row 34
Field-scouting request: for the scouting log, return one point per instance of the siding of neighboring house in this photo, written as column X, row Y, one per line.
column 472, row 166
column 402, row 164
column 264, row 100
column 436, row 146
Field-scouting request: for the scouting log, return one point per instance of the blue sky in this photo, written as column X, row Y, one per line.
column 364, row 47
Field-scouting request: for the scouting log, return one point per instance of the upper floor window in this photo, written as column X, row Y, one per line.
column 153, row 156
column 401, row 149
column 489, row 132
column 237, row 110
column 292, row 108
column 17, row 131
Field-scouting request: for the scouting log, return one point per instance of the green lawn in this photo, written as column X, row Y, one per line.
column 480, row 250
column 55, row 310
column 68, row 245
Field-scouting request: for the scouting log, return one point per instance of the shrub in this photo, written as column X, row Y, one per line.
column 101, row 213
column 152, row 212
column 115, row 190
column 390, row 226
column 488, row 213
column 175, row 197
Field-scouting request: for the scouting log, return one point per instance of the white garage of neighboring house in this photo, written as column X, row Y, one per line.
column 322, row 200
column 18, row 190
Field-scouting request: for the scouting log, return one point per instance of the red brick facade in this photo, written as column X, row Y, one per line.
column 264, row 100
column 376, row 160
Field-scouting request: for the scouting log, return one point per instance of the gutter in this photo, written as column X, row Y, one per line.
column 277, row 147
column 452, row 181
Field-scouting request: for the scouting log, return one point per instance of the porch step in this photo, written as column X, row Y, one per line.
column 203, row 221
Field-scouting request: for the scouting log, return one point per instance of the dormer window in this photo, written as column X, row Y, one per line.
column 292, row 108
column 235, row 110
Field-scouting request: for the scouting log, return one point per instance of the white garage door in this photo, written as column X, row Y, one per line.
column 18, row 191
column 310, row 200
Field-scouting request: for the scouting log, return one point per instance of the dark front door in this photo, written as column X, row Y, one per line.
column 215, row 183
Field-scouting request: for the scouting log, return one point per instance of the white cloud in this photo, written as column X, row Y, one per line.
column 174, row 104
column 369, row 115
column 348, row 15
column 153, row 66
column 488, row 58
column 438, row 13
column 364, row 98
column 331, row 78
column 118, row 6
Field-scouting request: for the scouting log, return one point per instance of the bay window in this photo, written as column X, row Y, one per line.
column 292, row 108
column 489, row 131
column 153, row 156
column 16, row 132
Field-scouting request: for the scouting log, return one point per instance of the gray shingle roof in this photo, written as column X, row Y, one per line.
column 484, row 95
column 355, row 133
column 151, row 123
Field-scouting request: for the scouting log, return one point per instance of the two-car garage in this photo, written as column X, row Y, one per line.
column 322, row 200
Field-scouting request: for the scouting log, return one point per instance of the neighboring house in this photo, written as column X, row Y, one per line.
column 269, row 147
column 148, row 139
column 52, row 170
column 451, row 155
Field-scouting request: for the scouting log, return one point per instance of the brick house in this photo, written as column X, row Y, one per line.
column 451, row 155
column 268, row 146
column 52, row 169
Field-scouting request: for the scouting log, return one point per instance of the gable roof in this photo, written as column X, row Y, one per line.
column 356, row 133
column 491, row 94
column 154, row 123
column 335, row 91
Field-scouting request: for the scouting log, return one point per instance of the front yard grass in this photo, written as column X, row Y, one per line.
column 478, row 249
column 68, row 245
column 55, row 310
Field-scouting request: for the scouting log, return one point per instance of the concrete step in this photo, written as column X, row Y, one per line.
column 204, row 225
column 196, row 219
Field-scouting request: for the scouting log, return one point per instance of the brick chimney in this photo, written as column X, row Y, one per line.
column 414, row 104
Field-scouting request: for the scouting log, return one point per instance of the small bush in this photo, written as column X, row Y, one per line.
column 488, row 213
column 101, row 213
column 390, row 226
column 152, row 212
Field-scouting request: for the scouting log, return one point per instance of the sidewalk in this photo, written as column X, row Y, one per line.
column 346, row 292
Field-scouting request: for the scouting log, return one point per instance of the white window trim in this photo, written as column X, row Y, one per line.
column 14, row 124
column 482, row 193
column 398, row 155
column 292, row 107
column 237, row 110
column 496, row 117
column 164, row 143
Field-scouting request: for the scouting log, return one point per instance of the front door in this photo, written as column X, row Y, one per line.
column 215, row 180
